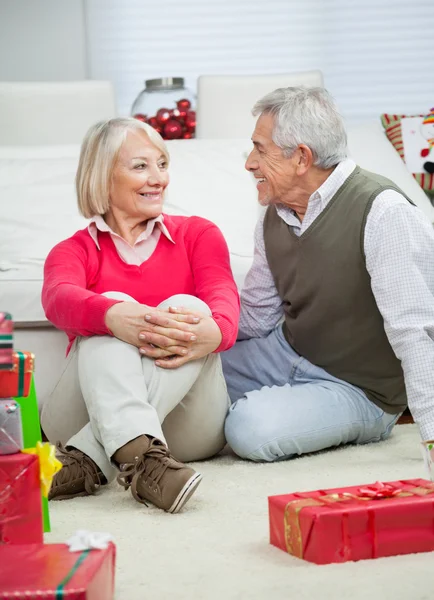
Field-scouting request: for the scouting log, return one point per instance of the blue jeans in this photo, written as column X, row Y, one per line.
column 284, row 406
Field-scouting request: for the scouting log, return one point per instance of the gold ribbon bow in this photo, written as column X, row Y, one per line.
column 48, row 464
column 379, row 491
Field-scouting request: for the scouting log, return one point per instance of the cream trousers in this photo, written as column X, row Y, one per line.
column 109, row 394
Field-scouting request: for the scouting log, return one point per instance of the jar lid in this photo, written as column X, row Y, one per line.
column 165, row 83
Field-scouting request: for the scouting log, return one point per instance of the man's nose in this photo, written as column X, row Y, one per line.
column 251, row 162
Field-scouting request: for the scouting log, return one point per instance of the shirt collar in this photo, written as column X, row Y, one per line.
column 324, row 193
column 335, row 180
column 98, row 224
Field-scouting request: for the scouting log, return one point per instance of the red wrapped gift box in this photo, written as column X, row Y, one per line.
column 15, row 382
column 20, row 500
column 6, row 340
column 354, row 523
column 51, row 571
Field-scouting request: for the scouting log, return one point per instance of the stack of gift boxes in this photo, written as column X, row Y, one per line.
column 28, row 567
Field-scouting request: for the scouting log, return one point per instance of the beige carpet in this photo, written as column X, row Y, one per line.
column 217, row 548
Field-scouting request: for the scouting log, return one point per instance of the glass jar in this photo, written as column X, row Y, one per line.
column 168, row 106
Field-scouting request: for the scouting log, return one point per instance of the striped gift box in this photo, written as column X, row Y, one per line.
column 15, row 382
column 6, row 341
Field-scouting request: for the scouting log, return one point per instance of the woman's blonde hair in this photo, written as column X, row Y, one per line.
column 98, row 156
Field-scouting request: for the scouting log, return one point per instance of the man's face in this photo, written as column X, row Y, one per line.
column 276, row 173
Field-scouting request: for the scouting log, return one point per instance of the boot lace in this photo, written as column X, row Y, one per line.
column 78, row 466
column 152, row 464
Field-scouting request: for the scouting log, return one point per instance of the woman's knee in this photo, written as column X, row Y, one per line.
column 178, row 300
column 187, row 301
column 119, row 296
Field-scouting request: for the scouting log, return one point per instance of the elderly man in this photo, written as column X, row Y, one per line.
column 337, row 312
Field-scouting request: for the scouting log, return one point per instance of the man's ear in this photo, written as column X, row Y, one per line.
column 305, row 159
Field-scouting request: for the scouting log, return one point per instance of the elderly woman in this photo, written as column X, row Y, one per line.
column 147, row 301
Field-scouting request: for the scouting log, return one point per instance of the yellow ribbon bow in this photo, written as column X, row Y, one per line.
column 48, row 464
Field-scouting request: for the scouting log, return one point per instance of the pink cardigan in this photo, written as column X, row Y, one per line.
column 76, row 273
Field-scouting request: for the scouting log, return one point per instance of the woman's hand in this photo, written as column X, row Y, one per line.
column 205, row 337
column 127, row 320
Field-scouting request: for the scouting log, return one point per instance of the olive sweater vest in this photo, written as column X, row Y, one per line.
column 331, row 316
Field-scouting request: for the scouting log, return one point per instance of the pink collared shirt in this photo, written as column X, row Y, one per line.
column 143, row 247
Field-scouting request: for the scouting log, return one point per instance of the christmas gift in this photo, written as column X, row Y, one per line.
column 20, row 500
column 6, row 341
column 11, row 431
column 49, row 465
column 15, row 382
column 354, row 523
column 52, row 571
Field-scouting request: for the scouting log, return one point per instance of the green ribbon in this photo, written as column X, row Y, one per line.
column 60, row 590
column 21, row 367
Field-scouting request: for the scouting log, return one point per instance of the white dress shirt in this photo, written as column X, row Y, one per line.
column 399, row 252
column 144, row 245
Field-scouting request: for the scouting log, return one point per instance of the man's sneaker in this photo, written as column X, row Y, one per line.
column 156, row 476
column 79, row 476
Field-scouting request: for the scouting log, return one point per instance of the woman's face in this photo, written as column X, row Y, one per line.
column 139, row 178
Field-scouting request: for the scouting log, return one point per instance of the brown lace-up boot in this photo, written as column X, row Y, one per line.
column 158, row 477
column 79, row 476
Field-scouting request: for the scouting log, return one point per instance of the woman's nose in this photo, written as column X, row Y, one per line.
column 156, row 177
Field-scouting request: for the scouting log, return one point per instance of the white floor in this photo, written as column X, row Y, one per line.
column 217, row 548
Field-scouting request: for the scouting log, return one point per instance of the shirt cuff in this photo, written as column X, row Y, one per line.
column 96, row 312
column 228, row 335
column 427, row 432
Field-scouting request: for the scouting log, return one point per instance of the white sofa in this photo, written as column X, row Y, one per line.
column 213, row 92
column 52, row 112
column 38, row 209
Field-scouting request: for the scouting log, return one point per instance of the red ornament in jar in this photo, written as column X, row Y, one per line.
column 184, row 104
column 154, row 123
column 140, row 117
column 164, row 100
column 179, row 115
column 190, row 120
column 172, row 130
column 162, row 116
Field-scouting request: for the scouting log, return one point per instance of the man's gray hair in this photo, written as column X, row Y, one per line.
column 306, row 116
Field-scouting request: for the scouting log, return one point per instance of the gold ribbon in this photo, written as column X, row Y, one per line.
column 48, row 464
column 293, row 536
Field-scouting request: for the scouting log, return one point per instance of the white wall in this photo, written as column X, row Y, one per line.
column 42, row 40
column 376, row 55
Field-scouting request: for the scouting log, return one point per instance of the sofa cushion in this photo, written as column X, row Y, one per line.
column 393, row 127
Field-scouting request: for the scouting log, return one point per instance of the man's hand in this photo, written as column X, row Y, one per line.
column 204, row 337
column 126, row 320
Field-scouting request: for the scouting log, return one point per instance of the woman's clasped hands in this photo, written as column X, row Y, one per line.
column 171, row 337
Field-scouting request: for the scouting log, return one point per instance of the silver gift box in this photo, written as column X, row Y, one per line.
column 11, row 431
